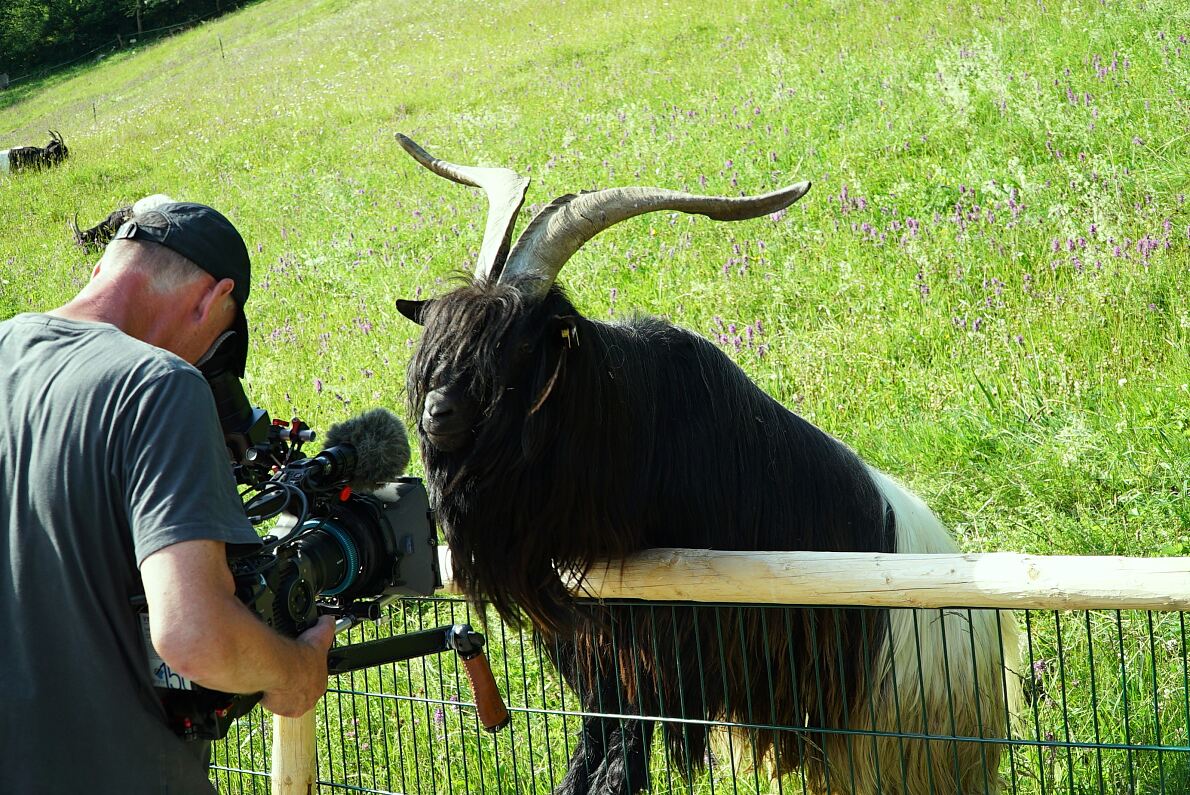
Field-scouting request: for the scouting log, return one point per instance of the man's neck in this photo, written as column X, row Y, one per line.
column 125, row 301
column 94, row 310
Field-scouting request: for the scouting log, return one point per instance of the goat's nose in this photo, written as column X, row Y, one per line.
column 445, row 420
column 438, row 405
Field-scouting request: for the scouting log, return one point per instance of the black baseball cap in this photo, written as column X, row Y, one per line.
column 204, row 236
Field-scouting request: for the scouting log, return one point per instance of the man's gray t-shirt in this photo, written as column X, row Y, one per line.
column 110, row 449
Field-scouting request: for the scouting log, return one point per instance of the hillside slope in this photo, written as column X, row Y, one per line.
column 983, row 293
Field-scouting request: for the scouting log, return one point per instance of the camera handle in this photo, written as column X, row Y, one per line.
column 460, row 638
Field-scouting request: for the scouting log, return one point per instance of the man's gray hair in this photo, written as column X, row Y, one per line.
column 167, row 270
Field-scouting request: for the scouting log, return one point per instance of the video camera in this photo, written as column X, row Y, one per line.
column 351, row 530
column 350, row 533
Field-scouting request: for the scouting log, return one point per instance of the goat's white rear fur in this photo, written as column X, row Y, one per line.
column 150, row 202
column 936, row 698
column 4, row 160
column 946, row 673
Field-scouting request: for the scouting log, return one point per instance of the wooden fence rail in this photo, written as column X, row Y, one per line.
column 995, row 580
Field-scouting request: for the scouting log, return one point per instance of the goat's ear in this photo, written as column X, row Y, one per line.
column 414, row 310
column 566, row 329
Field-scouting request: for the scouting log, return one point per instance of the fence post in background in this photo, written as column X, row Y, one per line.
column 294, row 755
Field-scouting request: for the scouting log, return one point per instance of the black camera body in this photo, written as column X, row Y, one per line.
column 346, row 555
column 333, row 549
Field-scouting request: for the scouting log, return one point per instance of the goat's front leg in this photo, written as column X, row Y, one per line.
column 587, row 757
column 612, row 758
column 612, row 755
column 570, row 658
column 625, row 767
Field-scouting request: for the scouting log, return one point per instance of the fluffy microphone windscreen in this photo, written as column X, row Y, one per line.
column 381, row 446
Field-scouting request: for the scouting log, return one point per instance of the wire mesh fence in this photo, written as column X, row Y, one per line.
column 1103, row 708
column 118, row 42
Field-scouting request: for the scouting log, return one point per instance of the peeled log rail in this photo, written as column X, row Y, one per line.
column 999, row 580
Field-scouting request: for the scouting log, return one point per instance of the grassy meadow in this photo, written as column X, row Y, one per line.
column 984, row 293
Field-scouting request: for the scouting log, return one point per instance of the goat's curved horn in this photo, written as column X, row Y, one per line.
column 74, row 227
column 505, row 190
column 559, row 230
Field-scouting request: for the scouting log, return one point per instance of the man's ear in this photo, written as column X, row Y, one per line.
column 214, row 297
column 414, row 310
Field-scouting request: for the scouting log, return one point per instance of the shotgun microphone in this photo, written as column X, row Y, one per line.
column 378, row 443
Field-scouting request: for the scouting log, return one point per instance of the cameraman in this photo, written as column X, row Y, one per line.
column 117, row 482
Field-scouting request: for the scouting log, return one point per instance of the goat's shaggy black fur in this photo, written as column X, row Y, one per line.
column 642, row 435
column 102, row 233
column 23, row 158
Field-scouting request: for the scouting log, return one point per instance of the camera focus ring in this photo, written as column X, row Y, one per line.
column 350, row 552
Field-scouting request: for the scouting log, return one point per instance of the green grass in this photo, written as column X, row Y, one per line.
column 1008, row 362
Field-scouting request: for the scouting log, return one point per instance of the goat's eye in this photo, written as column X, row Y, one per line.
column 519, row 352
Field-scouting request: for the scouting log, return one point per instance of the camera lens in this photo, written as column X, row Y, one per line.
column 331, row 555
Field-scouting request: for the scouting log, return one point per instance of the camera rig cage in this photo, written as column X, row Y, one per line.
column 332, row 550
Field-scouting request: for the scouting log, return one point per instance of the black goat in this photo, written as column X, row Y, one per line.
column 24, row 158
column 102, row 233
column 552, row 442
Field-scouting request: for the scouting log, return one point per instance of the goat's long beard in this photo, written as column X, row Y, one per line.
column 498, row 557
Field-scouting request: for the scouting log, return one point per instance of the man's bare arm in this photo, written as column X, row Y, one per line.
column 205, row 633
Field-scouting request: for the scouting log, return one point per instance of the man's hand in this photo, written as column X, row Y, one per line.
column 308, row 677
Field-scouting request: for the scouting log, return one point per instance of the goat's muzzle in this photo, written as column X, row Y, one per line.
column 446, row 420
